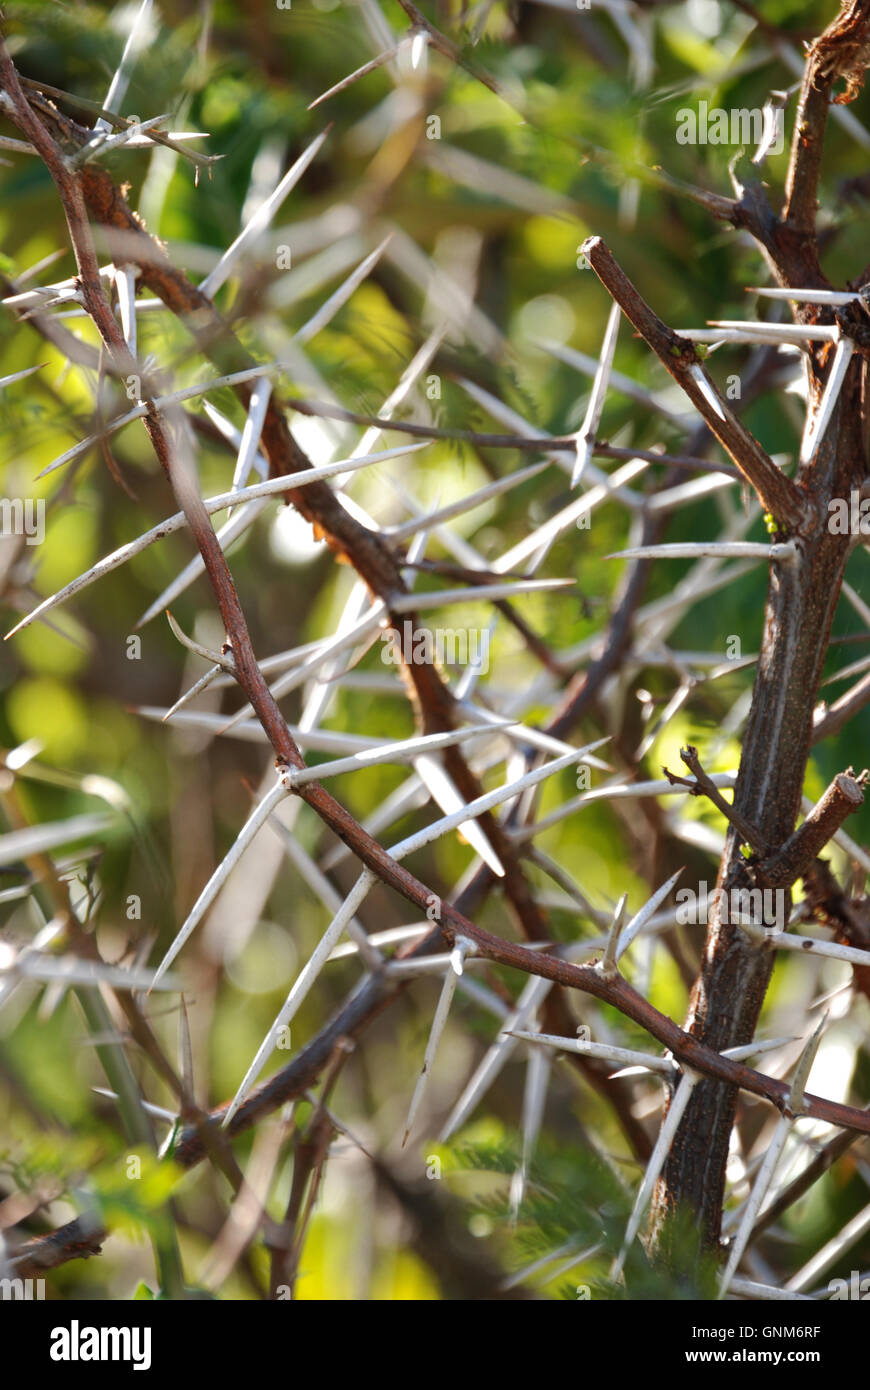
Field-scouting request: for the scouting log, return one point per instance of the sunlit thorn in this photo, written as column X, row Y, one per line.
column 442, row 787
column 538, row 1072
column 136, row 38
column 268, row 488
column 587, row 432
column 260, row 220
column 696, row 550
column 641, row 918
column 819, row 422
column 252, row 825
column 463, row 947
column 608, row 965
column 418, row 48
column 605, row 1052
column 301, row 986
column 696, row 372
column 680, row 1099
column 19, row 376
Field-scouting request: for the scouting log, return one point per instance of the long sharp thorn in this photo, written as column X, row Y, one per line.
column 330, row 308
column 260, row 220
column 661, row 1149
column 568, row 516
column 407, row 750
column 830, row 1253
column 120, row 81
column 429, row 520
column 640, row 919
column 439, row 1022
column 304, row 980
column 804, row 1067
column 618, row 1056
column 257, row 818
column 720, row 550
column 242, row 519
column 705, row 386
column 28, row 371
column 611, row 955
column 363, row 71
column 811, row 946
column 247, row 458
column 125, row 283
column 479, row 593
column 806, row 296
column 586, row 433
column 270, row 487
column 534, row 991
column 538, row 1070
column 318, row 882
column 777, row 330
column 753, row 1203
column 820, row 421
column 443, row 789
column 488, row 801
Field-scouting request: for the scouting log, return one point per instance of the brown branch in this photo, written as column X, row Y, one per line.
column 448, row 49
column 793, row 859
column 703, row 786
column 777, row 493
column 48, row 1251
column 368, row 552
column 841, row 51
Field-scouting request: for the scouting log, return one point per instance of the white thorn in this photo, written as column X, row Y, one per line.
column 254, row 822
column 640, row 919
column 607, row 965
column 661, row 1149
column 439, row 1021
column 120, row 81
column 442, row 787
column 696, row 372
column 720, row 550
column 301, row 985
column 260, row 220
column 818, row 424
column 619, row 1056
column 586, row 433
column 269, row 488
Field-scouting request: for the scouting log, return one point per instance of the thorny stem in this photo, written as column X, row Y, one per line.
column 730, row 989
column 800, row 607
